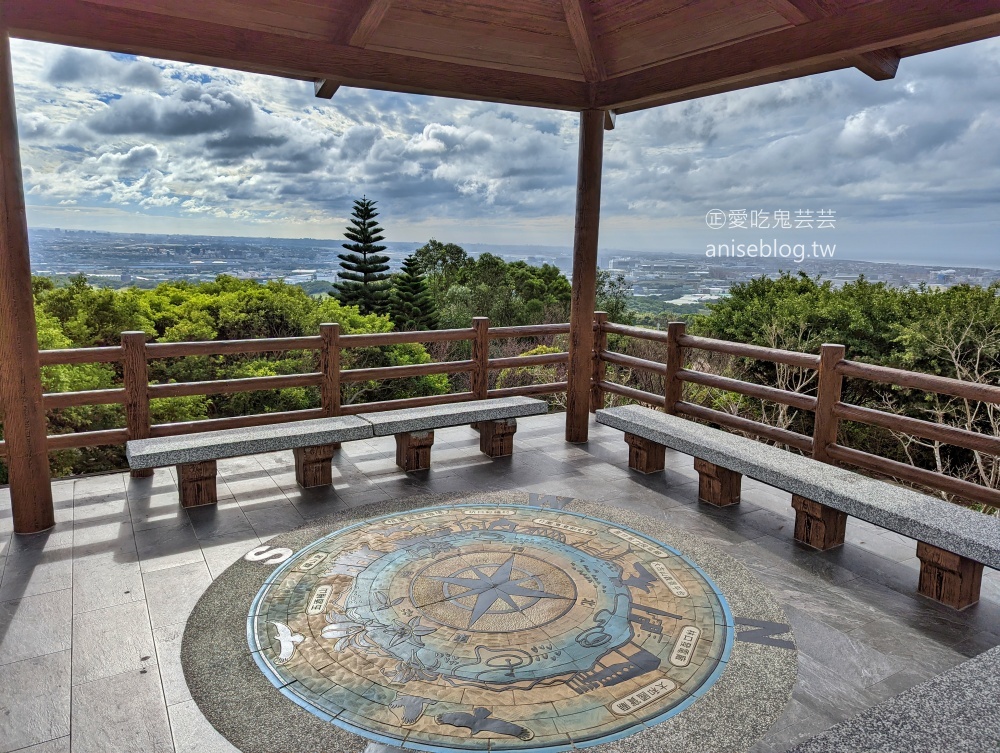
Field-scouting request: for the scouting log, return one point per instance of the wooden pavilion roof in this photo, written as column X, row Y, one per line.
column 619, row 55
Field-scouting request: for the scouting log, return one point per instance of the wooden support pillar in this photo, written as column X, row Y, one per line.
column 645, row 455
column 313, row 465
column 827, row 396
column 24, row 423
column 196, row 483
column 673, row 388
column 496, row 438
column 600, row 366
column 413, row 450
column 947, row 577
column 818, row 525
column 135, row 374
column 717, row 485
column 585, row 235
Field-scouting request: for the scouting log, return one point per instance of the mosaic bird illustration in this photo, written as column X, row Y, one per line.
column 412, row 706
column 480, row 720
column 287, row 640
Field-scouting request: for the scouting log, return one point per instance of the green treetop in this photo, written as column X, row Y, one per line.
column 411, row 305
column 364, row 270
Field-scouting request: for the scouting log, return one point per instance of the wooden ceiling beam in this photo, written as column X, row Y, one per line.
column 783, row 54
column 326, row 87
column 581, row 31
column 368, row 14
column 140, row 32
column 880, row 65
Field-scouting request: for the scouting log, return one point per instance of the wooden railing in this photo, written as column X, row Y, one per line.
column 135, row 394
column 832, row 368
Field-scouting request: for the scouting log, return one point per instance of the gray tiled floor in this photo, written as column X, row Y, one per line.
column 92, row 612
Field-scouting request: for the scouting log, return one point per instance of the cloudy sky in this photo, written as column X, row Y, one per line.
column 911, row 167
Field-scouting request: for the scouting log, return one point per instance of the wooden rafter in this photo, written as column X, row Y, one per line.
column 326, row 88
column 825, row 44
column 142, row 32
column 368, row 14
column 581, row 31
column 880, row 65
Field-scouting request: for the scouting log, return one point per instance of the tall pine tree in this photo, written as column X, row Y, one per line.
column 364, row 270
column 411, row 304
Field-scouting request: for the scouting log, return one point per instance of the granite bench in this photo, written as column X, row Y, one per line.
column 953, row 542
column 314, row 442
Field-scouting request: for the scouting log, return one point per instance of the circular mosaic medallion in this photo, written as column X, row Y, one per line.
column 490, row 628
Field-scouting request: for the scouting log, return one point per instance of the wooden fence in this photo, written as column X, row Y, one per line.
column 134, row 395
column 826, row 404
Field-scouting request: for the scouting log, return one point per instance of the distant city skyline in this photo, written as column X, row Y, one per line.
column 910, row 167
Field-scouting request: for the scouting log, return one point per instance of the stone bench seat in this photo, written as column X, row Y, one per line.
column 314, row 442
column 496, row 421
column 954, row 543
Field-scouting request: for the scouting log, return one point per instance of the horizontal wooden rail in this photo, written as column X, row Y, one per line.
column 398, row 338
column 539, row 359
column 771, row 394
column 233, row 422
column 530, row 330
column 634, row 394
column 640, row 333
column 774, row 355
column 86, row 439
column 55, row 400
column 229, row 386
column 549, row 388
column 231, row 347
column 620, row 359
column 927, row 382
column 408, row 370
column 73, row 356
column 782, row 436
column 406, row 402
column 952, row 435
column 912, row 474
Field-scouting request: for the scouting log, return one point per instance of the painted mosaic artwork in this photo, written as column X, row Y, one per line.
column 490, row 628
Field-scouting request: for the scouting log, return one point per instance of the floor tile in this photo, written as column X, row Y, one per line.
column 110, row 641
column 35, row 701
column 121, row 713
column 35, row 625
column 171, row 593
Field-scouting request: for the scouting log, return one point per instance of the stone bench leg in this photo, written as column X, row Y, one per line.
column 313, row 465
column 413, row 450
column 717, row 485
column 496, row 438
column 947, row 577
column 818, row 525
column 196, row 482
column 645, row 455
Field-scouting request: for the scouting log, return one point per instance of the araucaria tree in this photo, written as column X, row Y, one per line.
column 411, row 305
column 364, row 269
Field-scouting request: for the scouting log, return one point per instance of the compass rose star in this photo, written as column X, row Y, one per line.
column 489, row 589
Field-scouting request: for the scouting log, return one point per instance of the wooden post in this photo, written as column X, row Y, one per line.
column 135, row 374
column 827, row 396
column 585, row 236
column 481, row 356
column 645, row 455
column 24, row 423
column 413, row 450
column 947, row 577
column 600, row 367
column 329, row 366
column 717, row 485
column 673, row 388
column 817, row 525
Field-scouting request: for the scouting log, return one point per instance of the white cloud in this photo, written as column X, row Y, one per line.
column 111, row 137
